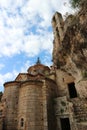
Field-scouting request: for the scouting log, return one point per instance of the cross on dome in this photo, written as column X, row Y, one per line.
column 38, row 61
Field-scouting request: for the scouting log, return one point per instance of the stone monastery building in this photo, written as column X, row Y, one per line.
column 33, row 101
column 27, row 102
column 52, row 98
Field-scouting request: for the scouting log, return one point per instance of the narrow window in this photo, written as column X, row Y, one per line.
column 22, row 122
column 72, row 90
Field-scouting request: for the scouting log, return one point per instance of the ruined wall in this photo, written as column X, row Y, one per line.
column 69, row 106
column 64, row 110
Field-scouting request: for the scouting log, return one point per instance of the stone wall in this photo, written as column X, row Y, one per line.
column 82, row 126
column 62, row 80
column 52, row 93
column 10, row 101
column 36, row 105
column 1, row 124
column 79, row 103
column 64, row 110
column 30, row 106
column 82, row 88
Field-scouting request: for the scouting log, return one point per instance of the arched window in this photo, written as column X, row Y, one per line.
column 22, row 122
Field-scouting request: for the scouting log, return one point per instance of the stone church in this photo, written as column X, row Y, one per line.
column 27, row 102
column 52, row 98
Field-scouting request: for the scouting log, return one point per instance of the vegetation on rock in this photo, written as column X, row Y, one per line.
column 70, row 48
column 78, row 3
column 75, row 3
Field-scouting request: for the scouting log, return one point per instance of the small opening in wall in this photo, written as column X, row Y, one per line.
column 72, row 90
column 22, row 122
column 65, row 124
column 63, row 79
column 1, row 112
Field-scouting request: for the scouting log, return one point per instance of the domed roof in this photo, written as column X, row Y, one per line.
column 39, row 68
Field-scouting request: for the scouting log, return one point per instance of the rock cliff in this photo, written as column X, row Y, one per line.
column 70, row 43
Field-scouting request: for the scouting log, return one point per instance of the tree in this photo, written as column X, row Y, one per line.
column 75, row 3
column 78, row 3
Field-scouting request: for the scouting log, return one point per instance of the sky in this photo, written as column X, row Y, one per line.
column 26, row 34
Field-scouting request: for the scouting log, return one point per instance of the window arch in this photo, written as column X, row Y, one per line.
column 22, row 122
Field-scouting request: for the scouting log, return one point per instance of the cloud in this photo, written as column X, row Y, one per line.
column 18, row 18
column 7, row 77
column 25, row 28
column 34, row 44
column 26, row 65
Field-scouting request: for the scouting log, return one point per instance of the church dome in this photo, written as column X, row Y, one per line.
column 39, row 68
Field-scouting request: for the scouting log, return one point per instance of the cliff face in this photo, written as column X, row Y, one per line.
column 70, row 65
column 70, row 43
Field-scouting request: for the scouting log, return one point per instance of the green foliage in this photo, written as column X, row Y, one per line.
column 75, row 3
column 62, row 110
column 85, row 74
column 63, row 103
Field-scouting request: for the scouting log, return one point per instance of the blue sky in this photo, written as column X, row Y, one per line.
column 25, row 34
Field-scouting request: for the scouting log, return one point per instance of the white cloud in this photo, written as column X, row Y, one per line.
column 2, row 66
column 24, row 28
column 34, row 44
column 16, row 17
column 7, row 77
column 25, row 67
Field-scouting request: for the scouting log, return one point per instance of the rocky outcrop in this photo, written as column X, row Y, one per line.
column 70, row 63
column 70, row 43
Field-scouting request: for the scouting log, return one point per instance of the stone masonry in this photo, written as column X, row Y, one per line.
column 28, row 101
column 52, row 98
column 70, row 63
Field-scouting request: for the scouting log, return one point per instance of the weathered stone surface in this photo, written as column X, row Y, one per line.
column 70, row 63
column 52, row 98
column 28, row 101
column 10, row 101
column 1, row 124
column 70, row 43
